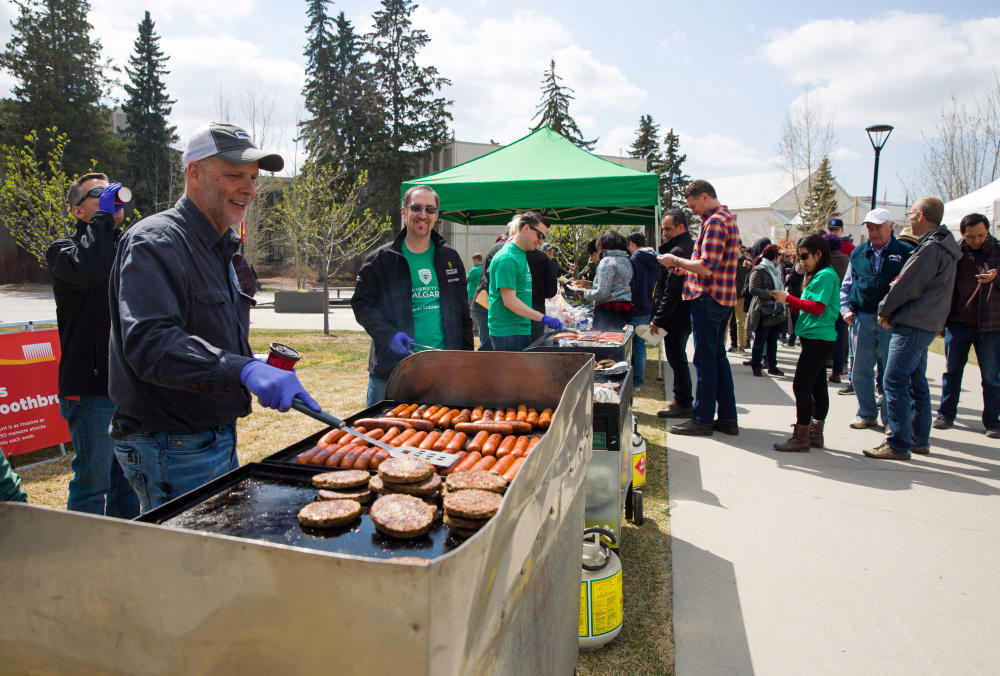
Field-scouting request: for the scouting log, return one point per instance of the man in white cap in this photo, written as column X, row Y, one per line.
column 181, row 367
column 874, row 264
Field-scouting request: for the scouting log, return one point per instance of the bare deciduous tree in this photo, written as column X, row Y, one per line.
column 806, row 138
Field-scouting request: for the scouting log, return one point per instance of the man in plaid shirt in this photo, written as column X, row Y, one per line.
column 710, row 283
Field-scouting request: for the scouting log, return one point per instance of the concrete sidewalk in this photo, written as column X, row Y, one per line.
column 34, row 302
column 828, row 562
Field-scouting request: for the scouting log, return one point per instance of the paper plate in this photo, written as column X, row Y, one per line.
column 643, row 332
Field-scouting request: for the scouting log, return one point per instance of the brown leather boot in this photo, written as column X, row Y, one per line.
column 798, row 443
column 816, row 433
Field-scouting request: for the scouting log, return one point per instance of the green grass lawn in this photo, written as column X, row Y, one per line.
column 334, row 370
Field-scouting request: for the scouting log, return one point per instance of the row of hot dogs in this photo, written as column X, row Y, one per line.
column 485, row 439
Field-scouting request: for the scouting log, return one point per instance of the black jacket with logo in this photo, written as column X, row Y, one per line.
column 80, row 265
column 383, row 296
column 670, row 311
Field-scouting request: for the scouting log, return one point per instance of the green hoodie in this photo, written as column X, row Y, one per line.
column 10, row 482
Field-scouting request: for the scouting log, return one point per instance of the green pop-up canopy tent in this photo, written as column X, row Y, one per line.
column 544, row 172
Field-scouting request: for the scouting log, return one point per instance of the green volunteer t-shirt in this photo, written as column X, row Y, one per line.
column 509, row 270
column 472, row 281
column 823, row 288
column 425, row 299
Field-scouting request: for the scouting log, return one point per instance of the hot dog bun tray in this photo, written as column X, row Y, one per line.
column 617, row 351
column 101, row 595
column 261, row 502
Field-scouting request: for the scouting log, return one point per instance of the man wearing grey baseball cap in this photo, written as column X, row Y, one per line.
column 181, row 368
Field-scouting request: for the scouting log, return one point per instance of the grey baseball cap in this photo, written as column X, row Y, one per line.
column 231, row 143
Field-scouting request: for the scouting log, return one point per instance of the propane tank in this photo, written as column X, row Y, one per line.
column 638, row 457
column 600, row 590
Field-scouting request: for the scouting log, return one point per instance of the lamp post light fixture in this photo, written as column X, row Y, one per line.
column 878, row 134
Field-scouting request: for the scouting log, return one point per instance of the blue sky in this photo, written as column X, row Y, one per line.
column 723, row 75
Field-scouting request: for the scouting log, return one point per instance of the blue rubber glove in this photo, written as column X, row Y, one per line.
column 106, row 202
column 274, row 387
column 552, row 322
column 401, row 343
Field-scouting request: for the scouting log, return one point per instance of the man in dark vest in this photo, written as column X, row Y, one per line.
column 874, row 264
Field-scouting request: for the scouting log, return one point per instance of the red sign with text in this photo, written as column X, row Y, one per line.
column 29, row 385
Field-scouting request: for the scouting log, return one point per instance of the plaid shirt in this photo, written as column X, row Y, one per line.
column 718, row 247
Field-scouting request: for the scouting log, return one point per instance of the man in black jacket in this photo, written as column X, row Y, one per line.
column 411, row 290
column 672, row 314
column 80, row 265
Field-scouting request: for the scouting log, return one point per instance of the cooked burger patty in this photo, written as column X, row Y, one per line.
column 329, row 514
column 467, row 524
column 402, row 516
column 362, row 494
column 476, row 478
column 405, row 470
column 472, row 504
column 348, row 478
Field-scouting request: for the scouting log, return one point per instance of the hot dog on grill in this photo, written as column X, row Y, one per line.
column 505, row 427
column 506, row 446
column 363, row 461
column 457, row 443
column 477, row 441
column 386, row 423
column 443, row 441
column 485, row 462
column 491, row 444
column 503, row 464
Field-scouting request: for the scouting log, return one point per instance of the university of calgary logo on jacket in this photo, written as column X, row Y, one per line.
column 425, row 275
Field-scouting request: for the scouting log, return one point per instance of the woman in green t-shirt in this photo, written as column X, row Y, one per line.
column 818, row 309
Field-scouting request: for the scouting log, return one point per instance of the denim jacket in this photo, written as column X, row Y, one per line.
column 612, row 280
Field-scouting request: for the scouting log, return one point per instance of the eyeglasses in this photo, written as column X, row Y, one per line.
column 541, row 235
column 421, row 209
column 93, row 192
column 802, row 256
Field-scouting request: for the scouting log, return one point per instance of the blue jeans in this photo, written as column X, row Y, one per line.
column 871, row 354
column 709, row 322
column 163, row 465
column 376, row 390
column 98, row 485
column 606, row 319
column 481, row 315
column 958, row 338
column 510, row 343
column 908, row 399
column 765, row 337
column 675, row 345
column 638, row 352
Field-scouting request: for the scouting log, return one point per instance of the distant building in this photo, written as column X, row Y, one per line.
column 767, row 205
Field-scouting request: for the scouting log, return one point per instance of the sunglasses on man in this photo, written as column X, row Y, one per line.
column 541, row 235
column 93, row 192
column 421, row 209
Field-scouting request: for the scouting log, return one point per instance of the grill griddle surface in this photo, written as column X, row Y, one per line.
column 267, row 508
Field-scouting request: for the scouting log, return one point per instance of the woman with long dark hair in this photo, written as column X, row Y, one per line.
column 765, row 277
column 818, row 309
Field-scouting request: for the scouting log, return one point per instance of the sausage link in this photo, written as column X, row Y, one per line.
column 321, row 457
column 532, row 418
column 477, row 413
column 402, row 437
column 465, row 415
column 409, row 411
column 457, row 443
column 363, row 461
column 477, row 441
column 429, row 441
column 335, row 458
column 503, row 464
column 443, row 440
column 520, row 447
column 531, row 445
column 511, row 415
column 390, row 435
column 545, row 418
column 351, row 455
column 416, row 439
column 449, row 416
column 487, row 414
column 491, row 445
column 485, row 462
column 512, row 470
column 332, row 436
column 445, row 471
column 304, row 457
column 394, row 413
column 386, row 423
column 430, row 411
column 506, row 446
column 380, row 455
column 505, row 427
column 467, row 462
column 522, row 413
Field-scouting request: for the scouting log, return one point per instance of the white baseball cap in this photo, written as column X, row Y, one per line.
column 878, row 216
column 231, row 143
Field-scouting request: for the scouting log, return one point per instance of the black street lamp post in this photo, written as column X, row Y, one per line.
column 878, row 134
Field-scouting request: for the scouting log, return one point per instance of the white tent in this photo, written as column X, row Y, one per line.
column 984, row 201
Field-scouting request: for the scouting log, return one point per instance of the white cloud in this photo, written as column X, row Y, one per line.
column 675, row 39
column 207, row 14
column 496, row 69
column 716, row 154
column 898, row 68
column 616, row 142
column 844, row 155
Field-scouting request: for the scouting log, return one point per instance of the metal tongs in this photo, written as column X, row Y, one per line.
column 434, row 457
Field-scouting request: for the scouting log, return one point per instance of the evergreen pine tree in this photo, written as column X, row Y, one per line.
column 152, row 167
column 647, row 143
column 673, row 180
column 415, row 117
column 317, row 131
column 821, row 202
column 59, row 81
column 553, row 111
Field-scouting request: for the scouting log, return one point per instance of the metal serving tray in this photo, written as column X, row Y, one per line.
column 618, row 352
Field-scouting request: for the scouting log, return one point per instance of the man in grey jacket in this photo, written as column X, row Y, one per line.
column 915, row 309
